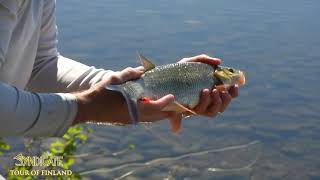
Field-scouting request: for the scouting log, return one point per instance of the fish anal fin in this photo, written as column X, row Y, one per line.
column 178, row 108
column 146, row 63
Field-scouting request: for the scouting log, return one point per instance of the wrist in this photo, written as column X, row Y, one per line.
column 82, row 102
column 101, row 105
column 128, row 106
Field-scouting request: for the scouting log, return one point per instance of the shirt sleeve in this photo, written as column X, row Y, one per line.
column 55, row 73
column 24, row 113
column 35, row 114
column 52, row 72
column 7, row 22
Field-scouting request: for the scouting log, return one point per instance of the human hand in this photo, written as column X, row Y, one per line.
column 211, row 103
column 105, row 106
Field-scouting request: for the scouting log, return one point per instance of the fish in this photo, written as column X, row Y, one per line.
column 183, row 80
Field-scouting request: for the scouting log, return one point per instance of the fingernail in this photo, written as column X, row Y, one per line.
column 141, row 68
column 206, row 91
column 170, row 95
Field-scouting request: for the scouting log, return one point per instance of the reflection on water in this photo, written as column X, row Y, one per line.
column 276, row 43
column 193, row 164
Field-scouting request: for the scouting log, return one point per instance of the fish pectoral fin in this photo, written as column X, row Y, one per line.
column 175, row 124
column 177, row 107
column 146, row 63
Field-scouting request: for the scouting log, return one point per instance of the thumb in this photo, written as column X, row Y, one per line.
column 120, row 77
column 130, row 73
column 203, row 59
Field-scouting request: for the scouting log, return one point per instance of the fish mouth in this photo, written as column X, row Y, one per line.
column 229, row 76
column 242, row 79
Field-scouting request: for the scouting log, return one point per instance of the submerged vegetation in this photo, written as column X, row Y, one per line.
column 4, row 147
column 63, row 147
column 68, row 146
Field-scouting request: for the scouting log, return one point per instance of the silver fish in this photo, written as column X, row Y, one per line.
column 184, row 80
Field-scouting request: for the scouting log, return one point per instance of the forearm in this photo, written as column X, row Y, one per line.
column 101, row 106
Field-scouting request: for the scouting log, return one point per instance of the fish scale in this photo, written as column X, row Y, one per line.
column 183, row 80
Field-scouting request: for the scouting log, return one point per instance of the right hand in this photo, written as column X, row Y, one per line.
column 98, row 104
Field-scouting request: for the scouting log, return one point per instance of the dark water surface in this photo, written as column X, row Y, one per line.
column 277, row 44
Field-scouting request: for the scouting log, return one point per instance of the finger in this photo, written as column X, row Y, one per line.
column 175, row 123
column 226, row 99
column 130, row 73
column 140, row 68
column 204, row 59
column 160, row 103
column 234, row 91
column 204, row 102
column 119, row 77
column 216, row 103
column 109, row 78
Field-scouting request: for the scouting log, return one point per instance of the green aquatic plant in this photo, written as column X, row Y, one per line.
column 64, row 147
column 4, row 147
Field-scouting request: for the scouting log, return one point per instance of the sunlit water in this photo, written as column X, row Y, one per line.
column 277, row 44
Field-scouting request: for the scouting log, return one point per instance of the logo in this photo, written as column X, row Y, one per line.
column 40, row 163
column 44, row 160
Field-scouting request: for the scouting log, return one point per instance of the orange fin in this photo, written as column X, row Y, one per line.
column 145, row 99
column 177, row 107
column 175, row 124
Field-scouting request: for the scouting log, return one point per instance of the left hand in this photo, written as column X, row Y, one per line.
column 211, row 103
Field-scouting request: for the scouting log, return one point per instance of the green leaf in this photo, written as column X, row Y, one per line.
column 89, row 130
column 131, row 146
column 77, row 129
column 67, row 163
column 57, row 147
column 82, row 137
column 4, row 146
column 66, row 137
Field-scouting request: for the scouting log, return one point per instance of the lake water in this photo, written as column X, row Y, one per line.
column 277, row 44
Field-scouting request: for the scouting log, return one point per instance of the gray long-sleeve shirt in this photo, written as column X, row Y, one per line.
column 34, row 78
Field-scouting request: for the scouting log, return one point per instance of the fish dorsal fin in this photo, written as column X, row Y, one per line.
column 146, row 63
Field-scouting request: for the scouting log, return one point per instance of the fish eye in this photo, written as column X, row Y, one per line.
column 231, row 70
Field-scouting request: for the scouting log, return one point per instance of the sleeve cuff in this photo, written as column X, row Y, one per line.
column 132, row 105
column 57, row 112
